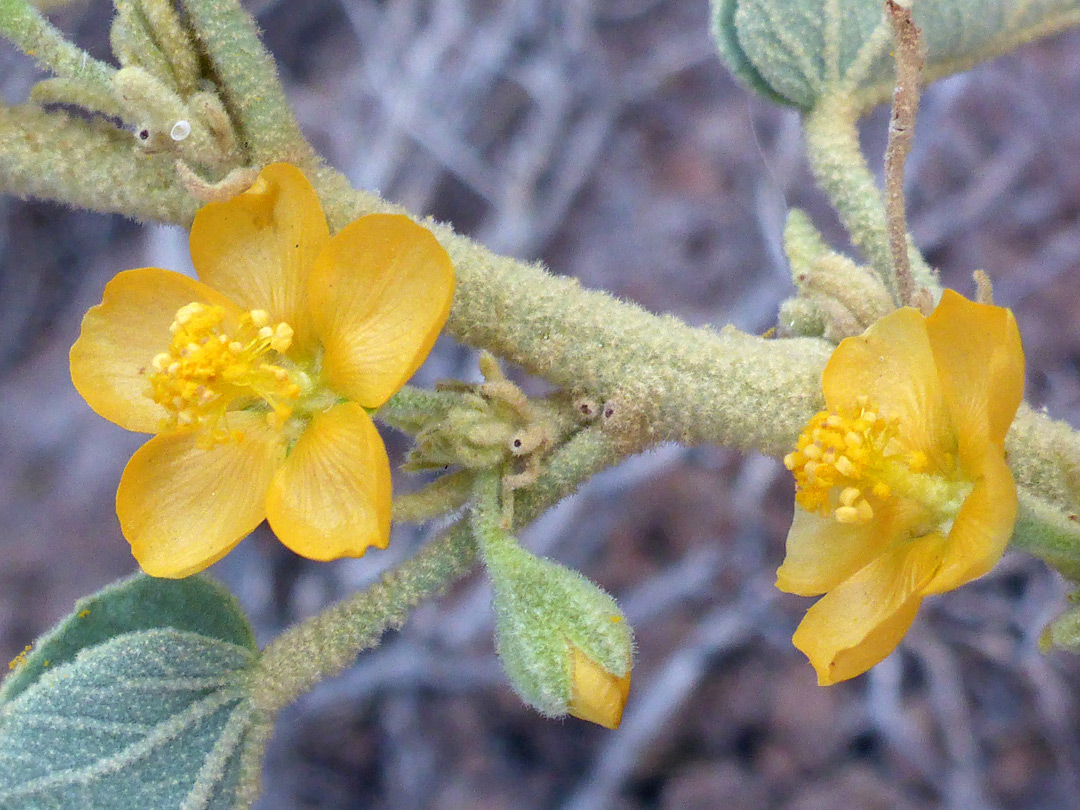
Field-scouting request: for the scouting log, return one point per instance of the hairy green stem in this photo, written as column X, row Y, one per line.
column 838, row 164
column 325, row 645
column 663, row 380
column 52, row 155
column 440, row 497
column 658, row 378
column 247, row 75
column 1045, row 532
column 486, row 516
column 411, row 408
column 37, row 37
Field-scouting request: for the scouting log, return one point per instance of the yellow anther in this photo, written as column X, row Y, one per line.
column 282, row 339
column 839, row 449
column 849, row 496
column 846, row 514
column 844, row 466
column 213, row 361
column 881, row 489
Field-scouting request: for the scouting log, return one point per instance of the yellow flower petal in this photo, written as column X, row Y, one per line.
column 982, row 527
column 331, row 498
column 981, row 364
column 893, row 366
column 183, row 508
column 858, row 623
column 822, row 553
column 379, row 293
column 111, row 360
column 597, row 695
column 258, row 247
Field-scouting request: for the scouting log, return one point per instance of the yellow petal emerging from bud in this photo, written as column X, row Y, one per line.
column 598, row 696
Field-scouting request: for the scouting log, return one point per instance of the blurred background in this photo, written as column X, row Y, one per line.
column 605, row 138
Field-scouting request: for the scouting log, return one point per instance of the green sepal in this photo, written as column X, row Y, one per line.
column 541, row 608
column 797, row 50
column 140, row 699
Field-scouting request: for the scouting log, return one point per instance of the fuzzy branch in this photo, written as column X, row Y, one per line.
column 326, row 644
column 53, row 156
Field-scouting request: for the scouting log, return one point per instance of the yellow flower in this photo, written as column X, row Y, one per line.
column 258, row 379
column 595, row 694
column 902, row 489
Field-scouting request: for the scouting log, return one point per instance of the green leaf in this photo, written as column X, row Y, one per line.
column 797, row 50
column 143, row 702
column 139, row 602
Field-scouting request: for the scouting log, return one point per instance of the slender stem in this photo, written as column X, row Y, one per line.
column 838, row 164
column 440, row 497
column 248, row 77
column 411, row 408
column 908, row 52
column 37, row 37
column 1044, row 532
column 323, row 646
column 487, row 515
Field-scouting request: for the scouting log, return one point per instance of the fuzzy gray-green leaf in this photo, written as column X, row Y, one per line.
column 799, row 49
column 150, row 719
column 196, row 604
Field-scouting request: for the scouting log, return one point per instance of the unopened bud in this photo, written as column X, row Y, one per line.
column 565, row 645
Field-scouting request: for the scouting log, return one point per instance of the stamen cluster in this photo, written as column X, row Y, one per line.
column 843, row 458
column 210, row 367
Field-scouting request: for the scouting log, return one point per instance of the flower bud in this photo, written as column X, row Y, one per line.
column 596, row 694
column 836, row 297
column 565, row 645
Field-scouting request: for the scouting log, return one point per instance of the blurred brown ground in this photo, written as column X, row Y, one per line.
column 604, row 137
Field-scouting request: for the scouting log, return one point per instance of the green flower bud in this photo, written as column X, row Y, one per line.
column 474, row 433
column 836, row 297
column 563, row 641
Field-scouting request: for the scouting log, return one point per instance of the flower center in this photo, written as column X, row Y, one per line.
column 845, row 463
column 212, row 367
